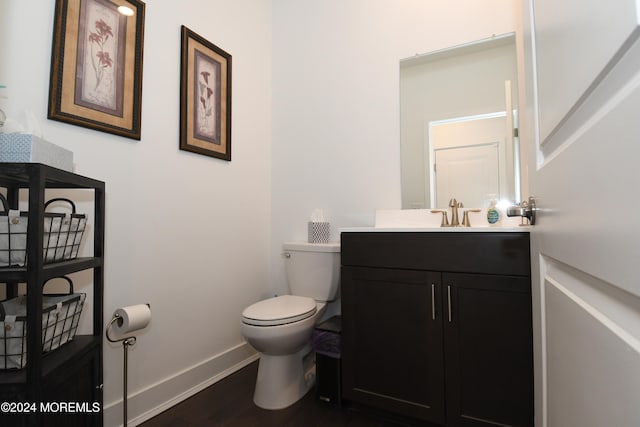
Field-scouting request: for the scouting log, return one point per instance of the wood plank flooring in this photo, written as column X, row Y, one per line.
column 229, row 403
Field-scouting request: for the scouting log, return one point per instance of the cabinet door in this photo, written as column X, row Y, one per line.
column 392, row 340
column 488, row 350
column 78, row 382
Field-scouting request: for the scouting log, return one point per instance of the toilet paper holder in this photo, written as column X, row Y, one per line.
column 127, row 341
column 127, row 320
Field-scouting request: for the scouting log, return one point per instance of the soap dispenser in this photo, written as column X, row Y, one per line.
column 493, row 215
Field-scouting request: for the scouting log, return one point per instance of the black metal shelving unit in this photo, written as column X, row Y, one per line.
column 72, row 373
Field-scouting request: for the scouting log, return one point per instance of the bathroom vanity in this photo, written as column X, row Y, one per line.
column 437, row 325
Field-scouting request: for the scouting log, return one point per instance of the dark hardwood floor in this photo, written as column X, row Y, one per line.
column 229, row 403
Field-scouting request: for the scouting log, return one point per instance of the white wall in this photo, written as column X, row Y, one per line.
column 187, row 233
column 336, row 134
column 197, row 237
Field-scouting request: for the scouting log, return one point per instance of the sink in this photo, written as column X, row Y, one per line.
column 407, row 218
column 423, row 220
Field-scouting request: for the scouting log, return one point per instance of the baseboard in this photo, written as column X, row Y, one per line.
column 156, row 398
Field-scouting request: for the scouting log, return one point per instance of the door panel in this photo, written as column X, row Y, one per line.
column 588, row 197
column 473, row 157
column 467, row 173
column 593, row 354
column 576, row 40
column 582, row 94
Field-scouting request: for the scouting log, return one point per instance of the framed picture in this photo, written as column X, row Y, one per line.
column 205, row 97
column 96, row 65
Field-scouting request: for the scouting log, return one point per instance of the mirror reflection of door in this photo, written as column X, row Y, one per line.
column 466, row 173
column 469, row 159
column 475, row 78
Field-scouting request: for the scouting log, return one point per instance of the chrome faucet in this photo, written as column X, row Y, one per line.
column 455, row 221
column 454, row 205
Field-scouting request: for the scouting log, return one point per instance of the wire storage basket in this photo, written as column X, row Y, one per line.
column 63, row 234
column 13, row 236
column 60, row 319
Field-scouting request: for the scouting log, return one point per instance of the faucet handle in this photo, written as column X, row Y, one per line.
column 465, row 217
column 445, row 219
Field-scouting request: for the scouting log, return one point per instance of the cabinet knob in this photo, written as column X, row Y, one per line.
column 99, row 386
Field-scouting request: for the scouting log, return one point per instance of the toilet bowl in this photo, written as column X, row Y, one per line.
column 284, row 376
column 280, row 328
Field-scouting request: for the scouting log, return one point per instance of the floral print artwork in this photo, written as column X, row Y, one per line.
column 207, row 98
column 98, row 59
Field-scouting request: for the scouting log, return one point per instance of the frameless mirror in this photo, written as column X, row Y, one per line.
column 458, row 121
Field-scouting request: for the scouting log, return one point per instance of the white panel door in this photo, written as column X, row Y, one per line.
column 472, row 157
column 574, row 54
column 467, row 174
column 582, row 126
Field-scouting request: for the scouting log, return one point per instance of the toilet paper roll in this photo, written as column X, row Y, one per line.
column 131, row 318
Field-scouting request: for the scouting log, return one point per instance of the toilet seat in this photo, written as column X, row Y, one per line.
column 279, row 310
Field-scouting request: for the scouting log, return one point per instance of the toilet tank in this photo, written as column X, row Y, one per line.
column 313, row 269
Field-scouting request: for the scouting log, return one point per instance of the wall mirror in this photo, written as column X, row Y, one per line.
column 458, row 124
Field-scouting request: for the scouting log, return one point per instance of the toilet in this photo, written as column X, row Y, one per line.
column 280, row 327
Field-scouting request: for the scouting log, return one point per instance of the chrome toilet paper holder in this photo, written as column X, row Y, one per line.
column 126, row 343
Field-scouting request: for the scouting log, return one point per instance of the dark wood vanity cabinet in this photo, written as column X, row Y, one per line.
column 437, row 326
column 392, row 345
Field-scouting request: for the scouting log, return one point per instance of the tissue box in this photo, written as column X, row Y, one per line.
column 19, row 147
column 318, row 232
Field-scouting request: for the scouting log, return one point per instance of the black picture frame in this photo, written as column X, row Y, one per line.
column 96, row 65
column 205, row 97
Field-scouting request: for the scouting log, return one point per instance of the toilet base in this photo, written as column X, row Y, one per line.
column 283, row 380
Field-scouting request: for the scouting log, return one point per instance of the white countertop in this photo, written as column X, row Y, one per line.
column 498, row 229
column 426, row 221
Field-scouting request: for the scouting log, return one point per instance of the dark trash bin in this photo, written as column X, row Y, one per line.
column 326, row 344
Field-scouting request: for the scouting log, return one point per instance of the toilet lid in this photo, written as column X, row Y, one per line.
column 279, row 310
